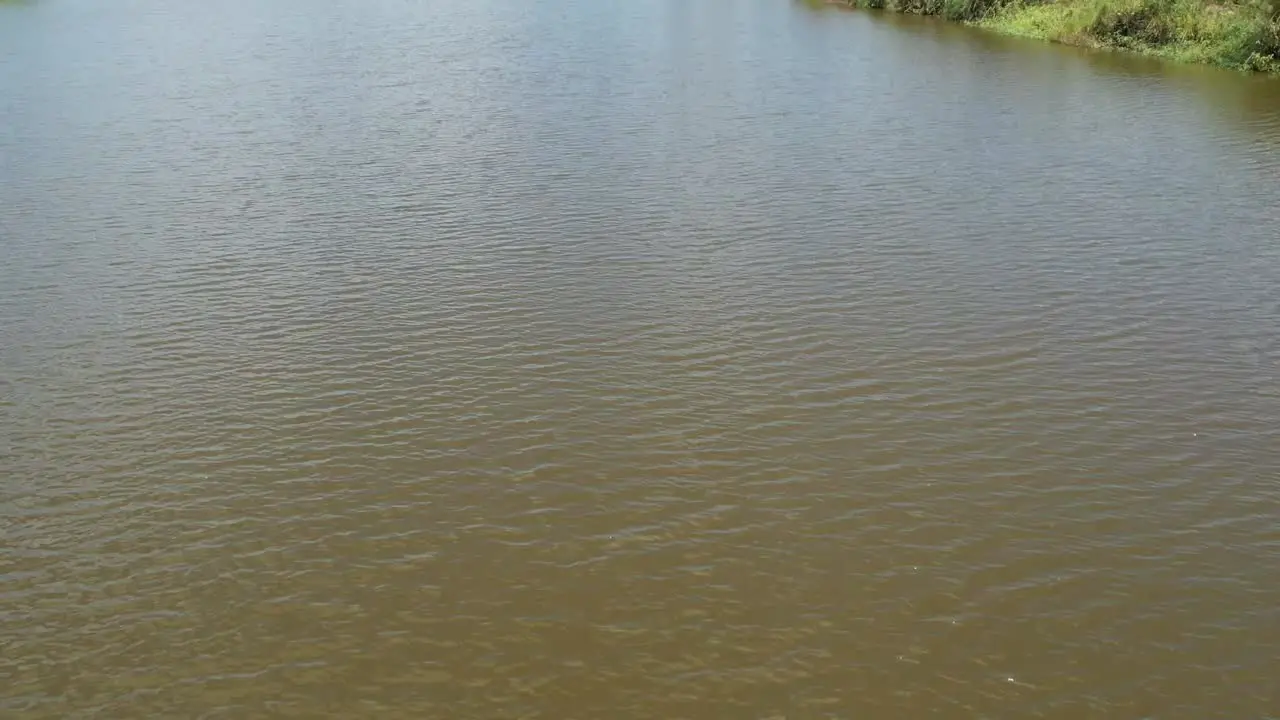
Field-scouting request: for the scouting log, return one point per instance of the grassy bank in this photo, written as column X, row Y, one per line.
column 1242, row 34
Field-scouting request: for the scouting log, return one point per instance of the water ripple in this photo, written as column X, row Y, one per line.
column 643, row 360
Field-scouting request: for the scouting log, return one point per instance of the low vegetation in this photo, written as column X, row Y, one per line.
column 1243, row 34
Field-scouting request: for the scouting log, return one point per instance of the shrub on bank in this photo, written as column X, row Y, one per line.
column 1244, row 34
column 964, row 10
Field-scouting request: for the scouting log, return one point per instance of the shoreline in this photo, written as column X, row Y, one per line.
column 1241, row 35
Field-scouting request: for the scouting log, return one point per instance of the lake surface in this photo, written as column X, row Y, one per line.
column 650, row 359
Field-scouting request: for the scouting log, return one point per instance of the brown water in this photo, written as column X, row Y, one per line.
column 600, row 359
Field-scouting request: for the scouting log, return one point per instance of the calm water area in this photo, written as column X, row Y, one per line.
column 629, row 359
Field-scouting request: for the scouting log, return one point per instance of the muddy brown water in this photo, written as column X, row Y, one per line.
column 601, row 359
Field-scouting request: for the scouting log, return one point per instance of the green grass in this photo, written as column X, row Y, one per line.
column 1243, row 35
